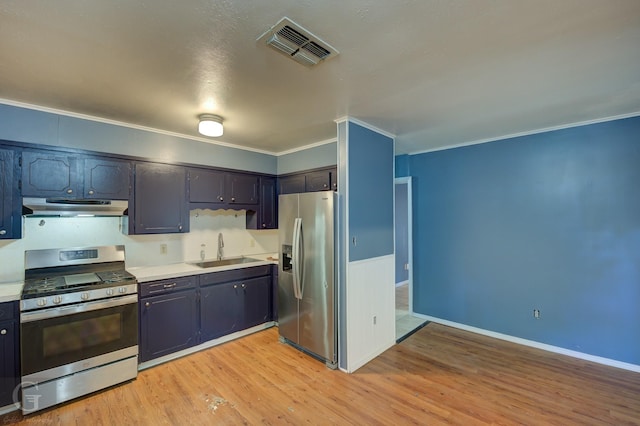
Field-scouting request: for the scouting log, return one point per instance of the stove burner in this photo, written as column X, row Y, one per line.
column 58, row 284
column 114, row 276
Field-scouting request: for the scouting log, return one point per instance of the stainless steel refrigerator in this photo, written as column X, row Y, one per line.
column 306, row 276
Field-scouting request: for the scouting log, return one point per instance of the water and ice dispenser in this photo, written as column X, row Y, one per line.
column 286, row 257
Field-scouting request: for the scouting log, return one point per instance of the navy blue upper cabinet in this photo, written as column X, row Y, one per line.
column 318, row 181
column 266, row 214
column 220, row 189
column 243, row 188
column 309, row 181
column 51, row 174
column 47, row 174
column 268, row 204
column 160, row 203
column 291, row 184
column 334, row 178
column 207, row 186
column 10, row 209
column 106, row 179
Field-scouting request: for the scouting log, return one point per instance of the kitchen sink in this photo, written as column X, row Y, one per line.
column 224, row 262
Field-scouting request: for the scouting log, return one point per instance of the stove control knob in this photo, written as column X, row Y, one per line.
column 57, row 300
column 84, row 296
column 42, row 302
column 109, row 292
column 122, row 290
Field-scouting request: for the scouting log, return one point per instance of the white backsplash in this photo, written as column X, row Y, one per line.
column 141, row 250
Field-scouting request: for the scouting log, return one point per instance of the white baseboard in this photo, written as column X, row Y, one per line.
column 9, row 408
column 531, row 343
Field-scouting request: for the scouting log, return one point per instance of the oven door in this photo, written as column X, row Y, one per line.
column 67, row 339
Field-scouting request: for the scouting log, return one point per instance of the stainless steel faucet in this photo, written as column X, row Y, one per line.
column 220, row 246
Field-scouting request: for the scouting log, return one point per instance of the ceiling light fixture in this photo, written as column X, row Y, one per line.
column 210, row 125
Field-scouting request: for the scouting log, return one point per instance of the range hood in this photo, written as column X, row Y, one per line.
column 72, row 207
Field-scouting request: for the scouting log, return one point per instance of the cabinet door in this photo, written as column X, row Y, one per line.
column 206, row 186
column 50, row 175
column 268, row 213
column 256, row 301
column 243, row 189
column 274, row 293
column 168, row 323
column 291, row 184
column 8, row 361
column 318, row 181
column 106, row 179
column 160, row 199
column 334, row 179
column 9, row 210
column 220, row 310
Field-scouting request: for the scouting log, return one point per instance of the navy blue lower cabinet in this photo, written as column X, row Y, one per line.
column 256, row 302
column 274, row 293
column 168, row 323
column 9, row 360
column 219, row 306
column 178, row 313
column 234, row 300
column 234, row 306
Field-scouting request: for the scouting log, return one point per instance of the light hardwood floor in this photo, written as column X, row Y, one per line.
column 439, row 375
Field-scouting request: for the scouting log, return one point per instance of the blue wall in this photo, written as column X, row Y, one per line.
column 310, row 158
column 402, row 165
column 370, row 169
column 549, row 221
column 31, row 126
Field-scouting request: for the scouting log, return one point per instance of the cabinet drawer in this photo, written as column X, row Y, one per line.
column 8, row 311
column 166, row 286
column 235, row 275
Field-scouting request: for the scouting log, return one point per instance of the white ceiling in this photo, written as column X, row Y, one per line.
column 433, row 72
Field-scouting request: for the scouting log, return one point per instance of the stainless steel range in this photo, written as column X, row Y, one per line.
column 78, row 324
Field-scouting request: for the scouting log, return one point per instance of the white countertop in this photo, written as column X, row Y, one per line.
column 10, row 291
column 175, row 270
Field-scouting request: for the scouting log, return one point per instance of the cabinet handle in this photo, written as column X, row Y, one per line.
column 2, row 232
column 147, row 304
column 69, row 191
column 324, row 185
column 91, row 192
column 221, row 199
column 243, row 285
column 180, row 228
column 172, row 285
column 233, row 199
column 264, row 225
column 3, row 331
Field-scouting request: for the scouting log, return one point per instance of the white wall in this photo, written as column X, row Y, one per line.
column 140, row 250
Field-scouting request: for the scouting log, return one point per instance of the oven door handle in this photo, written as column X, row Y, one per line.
column 77, row 308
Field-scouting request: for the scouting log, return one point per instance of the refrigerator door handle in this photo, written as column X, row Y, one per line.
column 296, row 261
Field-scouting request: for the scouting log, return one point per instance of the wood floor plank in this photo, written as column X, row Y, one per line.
column 439, row 375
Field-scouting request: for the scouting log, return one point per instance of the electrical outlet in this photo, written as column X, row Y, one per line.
column 163, row 249
column 536, row 313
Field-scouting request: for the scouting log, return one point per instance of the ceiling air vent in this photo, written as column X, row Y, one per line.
column 297, row 43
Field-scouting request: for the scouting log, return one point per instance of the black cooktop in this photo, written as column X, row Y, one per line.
column 58, row 282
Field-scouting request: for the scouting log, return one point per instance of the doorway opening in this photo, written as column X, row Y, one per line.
column 406, row 321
